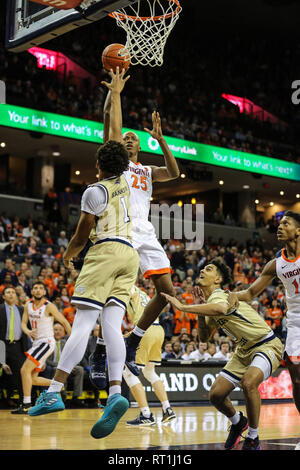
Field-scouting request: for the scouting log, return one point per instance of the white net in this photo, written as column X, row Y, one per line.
column 148, row 28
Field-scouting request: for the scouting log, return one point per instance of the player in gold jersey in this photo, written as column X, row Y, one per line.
column 147, row 357
column 103, row 286
column 257, row 355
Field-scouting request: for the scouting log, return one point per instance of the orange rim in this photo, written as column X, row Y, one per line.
column 123, row 16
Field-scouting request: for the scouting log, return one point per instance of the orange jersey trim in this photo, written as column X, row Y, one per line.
column 289, row 260
column 32, row 358
column 153, row 272
column 35, row 309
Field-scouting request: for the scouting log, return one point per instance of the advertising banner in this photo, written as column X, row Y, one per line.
column 92, row 131
column 192, row 382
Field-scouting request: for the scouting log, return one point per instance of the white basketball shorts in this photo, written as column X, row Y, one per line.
column 153, row 259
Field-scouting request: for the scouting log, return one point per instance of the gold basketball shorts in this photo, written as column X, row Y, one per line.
column 242, row 359
column 150, row 346
column 108, row 273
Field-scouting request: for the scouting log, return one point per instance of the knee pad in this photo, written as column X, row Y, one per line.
column 130, row 378
column 150, row 374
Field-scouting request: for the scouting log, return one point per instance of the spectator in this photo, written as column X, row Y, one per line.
column 211, row 349
column 189, row 348
column 28, row 231
column 177, row 350
column 48, row 257
column 62, row 239
column 69, row 312
column 184, row 338
column 224, row 353
column 16, row 343
column 9, row 268
column 166, row 321
column 194, row 335
column 200, row 354
column 7, row 282
column 168, row 349
column 181, row 321
column 59, row 304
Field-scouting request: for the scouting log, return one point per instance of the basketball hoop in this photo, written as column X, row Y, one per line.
column 147, row 35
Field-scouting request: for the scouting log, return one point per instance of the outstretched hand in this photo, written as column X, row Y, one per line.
column 117, row 80
column 156, row 132
column 198, row 294
column 172, row 301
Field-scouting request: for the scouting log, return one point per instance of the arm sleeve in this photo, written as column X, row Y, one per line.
column 94, row 200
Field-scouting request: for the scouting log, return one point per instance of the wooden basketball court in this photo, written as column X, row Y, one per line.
column 196, row 427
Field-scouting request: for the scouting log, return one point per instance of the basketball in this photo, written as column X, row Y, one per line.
column 113, row 56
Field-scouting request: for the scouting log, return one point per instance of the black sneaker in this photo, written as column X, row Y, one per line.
column 130, row 358
column 168, row 415
column 236, row 431
column 22, row 410
column 141, row 420
column 251, row 444
column 97, row 374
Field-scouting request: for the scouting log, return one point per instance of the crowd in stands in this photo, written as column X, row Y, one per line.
column 188, row 96
column 32, row 250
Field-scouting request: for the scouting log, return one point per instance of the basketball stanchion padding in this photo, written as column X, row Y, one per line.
column 61, row 4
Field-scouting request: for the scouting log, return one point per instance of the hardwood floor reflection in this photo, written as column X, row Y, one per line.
column 70, row 429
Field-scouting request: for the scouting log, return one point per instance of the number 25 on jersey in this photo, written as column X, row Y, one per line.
column 139, row 182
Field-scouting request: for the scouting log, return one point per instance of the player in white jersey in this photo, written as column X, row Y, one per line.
column 40, row 314
column 286, row 266
column 154, row 262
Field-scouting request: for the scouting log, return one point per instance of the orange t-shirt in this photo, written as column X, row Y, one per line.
column 70, row 287
column 69, row 313
column 181, row 324
column 276, row 315
column 189, row 300
column 51, row 285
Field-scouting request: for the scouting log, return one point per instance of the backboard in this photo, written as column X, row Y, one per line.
column 29, row 24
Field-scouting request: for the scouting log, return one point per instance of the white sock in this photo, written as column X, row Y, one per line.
column 138, row 331
column 114, row 389
column 235, row 418
column 26, row 400
column 252, row 432
column 111, row 322
column 146, row 411
column 165, row 405
column 55, row 387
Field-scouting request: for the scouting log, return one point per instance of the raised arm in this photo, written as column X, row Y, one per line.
column 171, row 170
column 115, row 117
column 258, row 286
column 106, row 117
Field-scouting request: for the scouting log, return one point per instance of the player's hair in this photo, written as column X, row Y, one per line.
column 112, row 158
column 293, row 215
column 38, row 283
column 223, row 269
